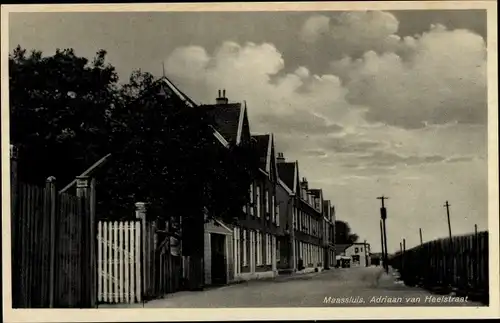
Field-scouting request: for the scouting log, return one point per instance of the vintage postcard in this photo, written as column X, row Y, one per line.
column 250, row 161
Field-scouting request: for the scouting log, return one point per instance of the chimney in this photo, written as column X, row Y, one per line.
column 221, row 99
column 281, row 158
column 304, row 183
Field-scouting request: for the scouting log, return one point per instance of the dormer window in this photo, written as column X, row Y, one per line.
column 251, row 199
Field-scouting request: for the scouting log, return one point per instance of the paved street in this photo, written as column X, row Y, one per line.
column 346, row 287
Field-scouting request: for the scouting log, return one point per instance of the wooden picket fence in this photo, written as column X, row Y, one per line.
column 49, row 264
column 163, row 270
column 459, row 264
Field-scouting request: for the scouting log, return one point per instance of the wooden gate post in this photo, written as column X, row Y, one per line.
column 51, row 200
column 140, row 213
column 88, row 267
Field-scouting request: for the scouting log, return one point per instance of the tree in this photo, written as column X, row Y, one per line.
column 59, row 108
column 165, row 154
column 343, row 234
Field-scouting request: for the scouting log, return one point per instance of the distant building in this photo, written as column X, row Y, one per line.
column 286, row 196
column 376, row 259
column 358, row 252
column 308, row 228
column 329, row 234
column 308, row 243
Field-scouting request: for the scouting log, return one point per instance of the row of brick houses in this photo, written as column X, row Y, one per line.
column 288, row 227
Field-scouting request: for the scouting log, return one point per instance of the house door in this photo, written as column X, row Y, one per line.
column 355, row 260
column 219, row 274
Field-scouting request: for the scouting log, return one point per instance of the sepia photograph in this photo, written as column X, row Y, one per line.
column 309, row 157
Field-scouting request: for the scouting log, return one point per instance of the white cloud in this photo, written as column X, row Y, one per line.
column 314, row 28
column 442, row 79
column 254, row 72
column 360, row 30
column 355, row 32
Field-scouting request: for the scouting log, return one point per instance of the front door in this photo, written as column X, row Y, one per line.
column 218, row 244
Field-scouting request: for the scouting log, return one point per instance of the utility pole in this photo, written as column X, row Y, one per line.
column 451, row 255
column 366, row 255
column 383, row 216
column 382, row 260
column 421, row 241
column 447, row 206
column 403, row 255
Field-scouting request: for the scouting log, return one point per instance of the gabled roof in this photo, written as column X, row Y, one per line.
column 168, row 88
column 287, row 174
column 262, row 149
column 272, row 164
column 316, row 192
column 228, row 119
column 326, row 208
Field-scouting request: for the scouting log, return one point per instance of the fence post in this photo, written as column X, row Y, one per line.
column 50, row 190
column 93, row 242
column 83, row 195
column 13, row 180
column 13, row 227
column 476, row 257
column 140, row 213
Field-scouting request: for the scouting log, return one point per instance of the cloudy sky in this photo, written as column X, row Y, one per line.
column 370, row 103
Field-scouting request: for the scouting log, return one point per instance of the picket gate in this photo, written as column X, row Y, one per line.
column 119, row 263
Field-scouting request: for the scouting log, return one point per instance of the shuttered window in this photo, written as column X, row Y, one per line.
column 244, row 247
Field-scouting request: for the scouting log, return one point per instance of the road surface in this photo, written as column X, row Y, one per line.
column 346, row 287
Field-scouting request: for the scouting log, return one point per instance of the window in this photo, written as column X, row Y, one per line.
column 237, row 248
column 244, row 247
column 268, row 249
column 273, row 247
column 273, row 209
column 278, row 256
column 361, row 249
column 259, row 249
column 251, row 199
column 356, row 250
column 294, row 215
column 251, row 247
column 277, row 214
column 266, row 201
column 257, row 207
column 270, row 259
